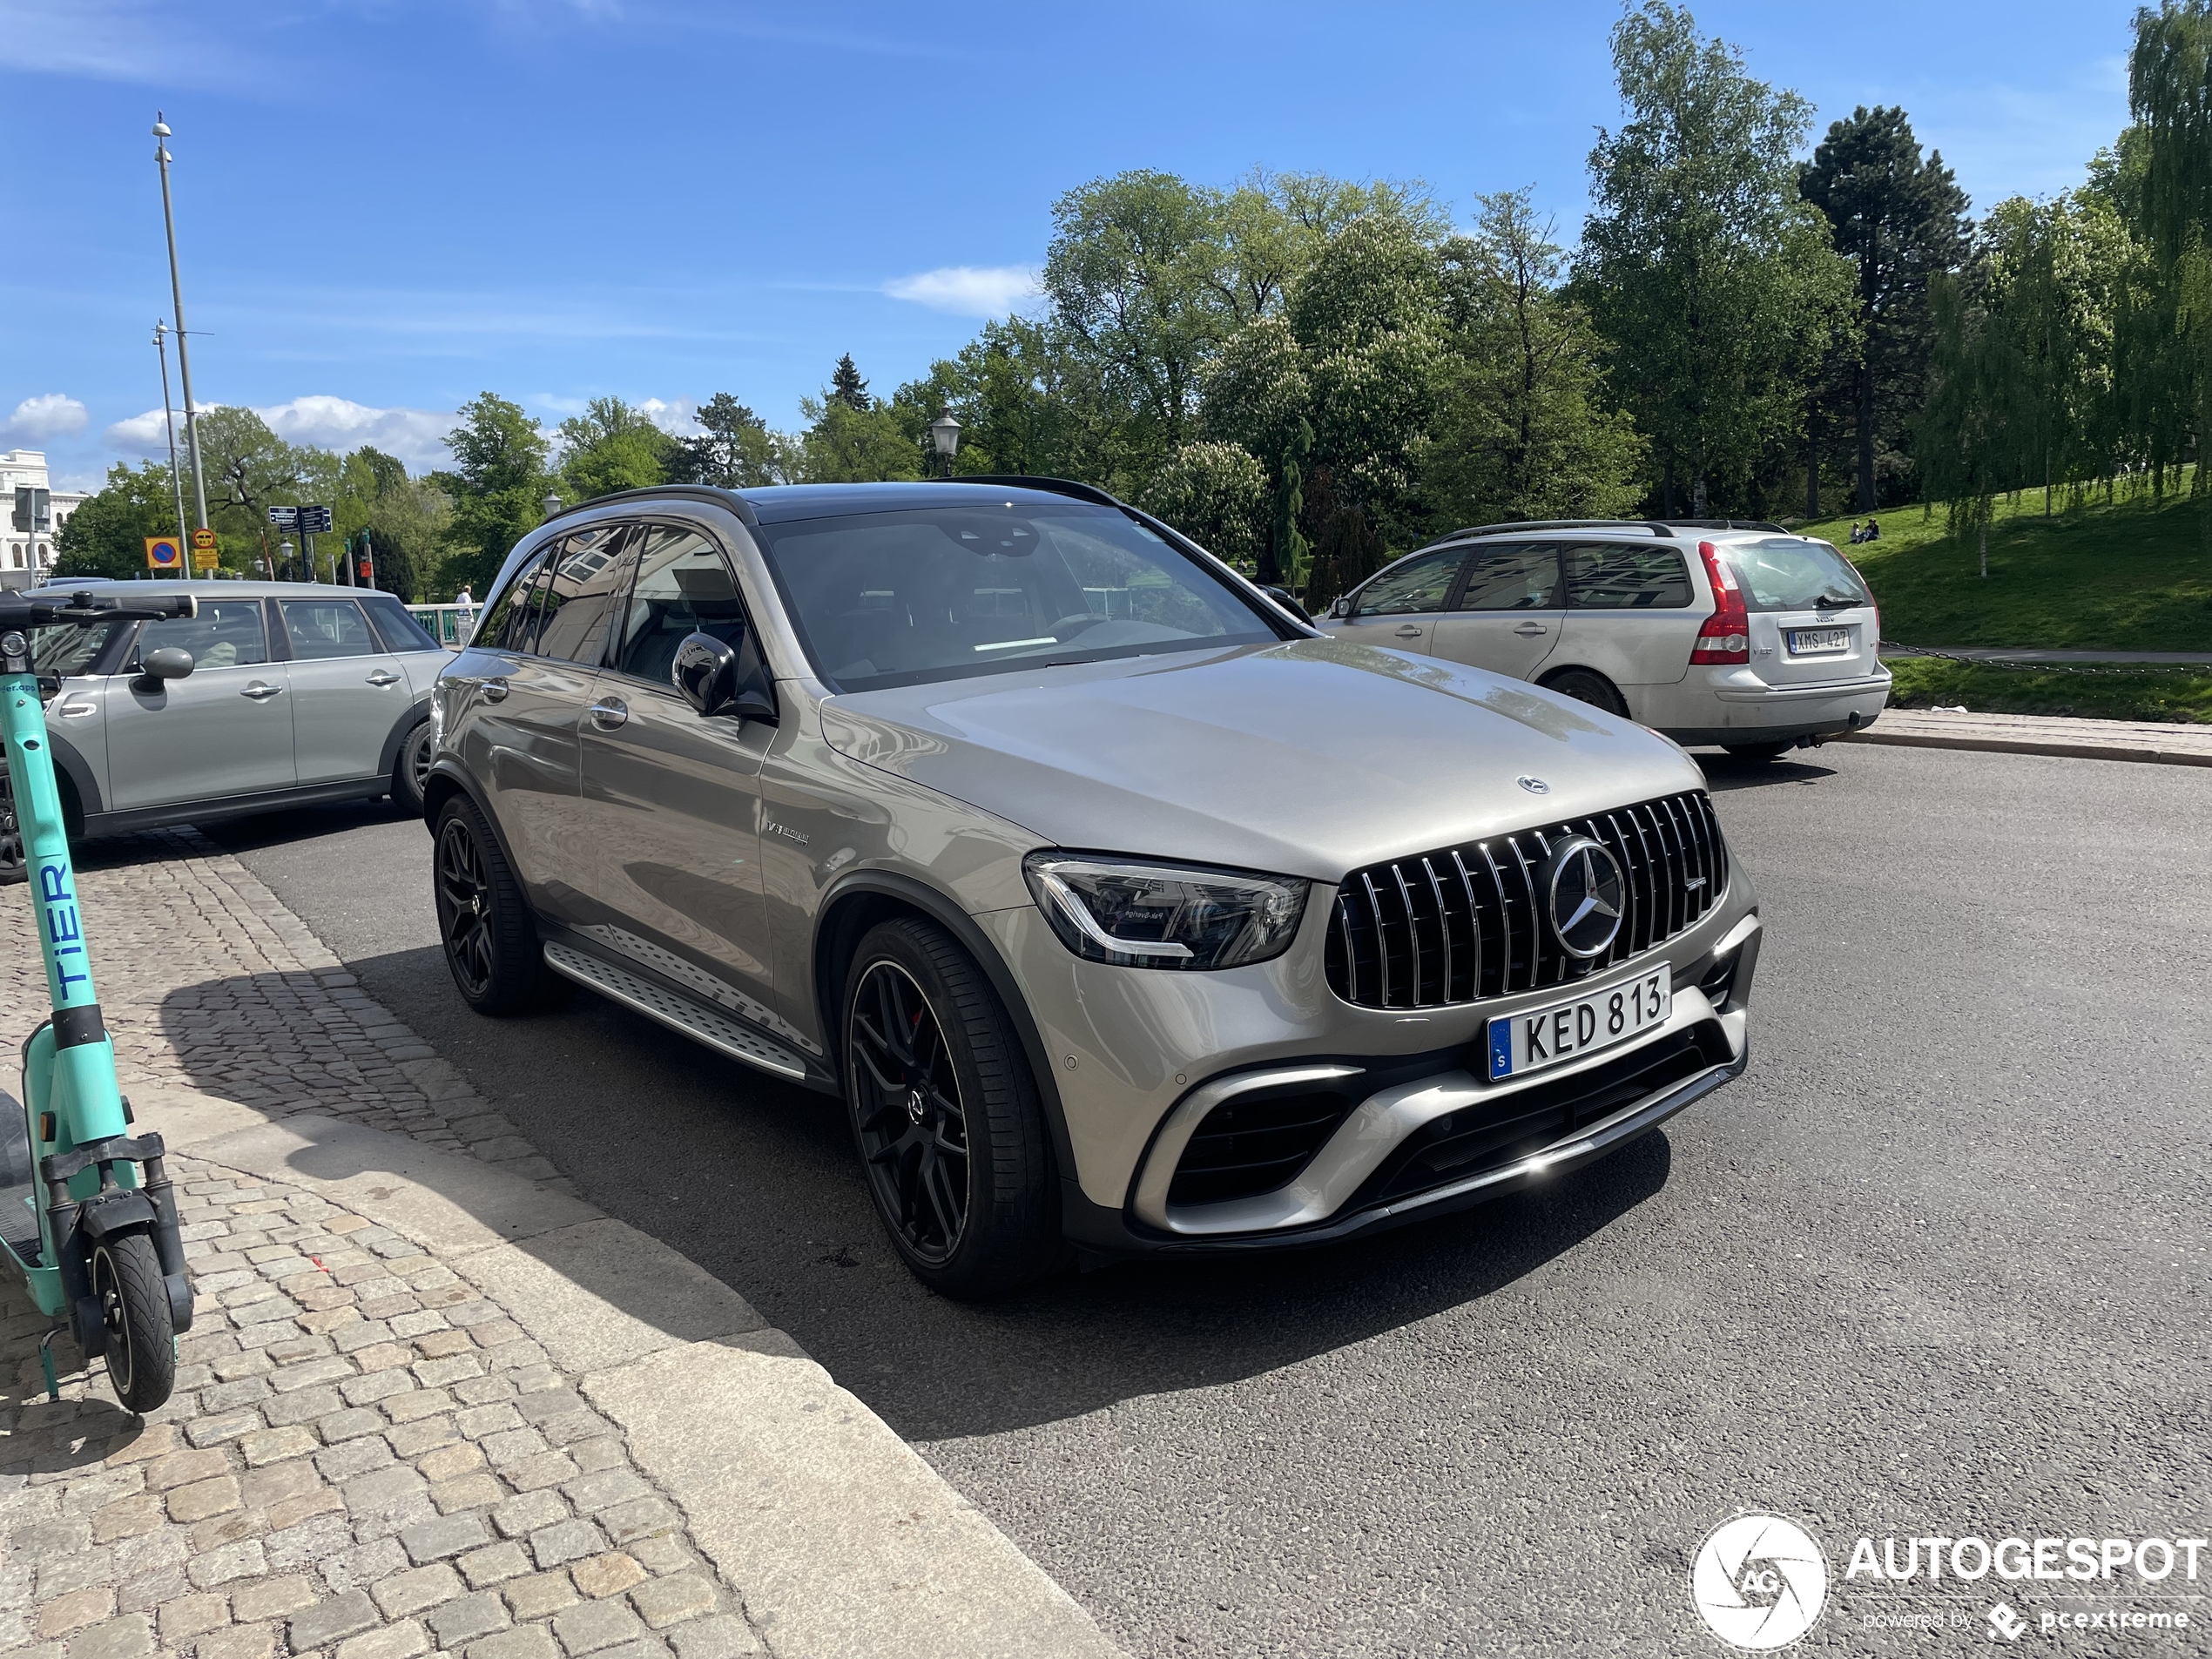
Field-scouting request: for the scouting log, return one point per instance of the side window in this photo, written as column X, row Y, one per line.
column 683, row 586
column 228, row 633
column 394, row 627
column 1613, row 575
column 1423, row 583
column 1513, row 578
column 320, row 628
column 583, row 582
column 506, row 619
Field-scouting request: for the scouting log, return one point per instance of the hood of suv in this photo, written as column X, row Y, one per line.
column 1309, row 759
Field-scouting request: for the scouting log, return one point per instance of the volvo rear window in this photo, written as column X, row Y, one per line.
column 899, row 599
column 1783, row 573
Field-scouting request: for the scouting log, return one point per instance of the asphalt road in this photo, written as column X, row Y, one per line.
column 1937, row 1265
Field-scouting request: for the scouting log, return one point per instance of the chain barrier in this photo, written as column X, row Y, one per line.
column 2119, row 670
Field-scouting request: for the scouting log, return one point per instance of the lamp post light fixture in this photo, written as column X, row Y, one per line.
column 284, row 555
column 551, row 503
column 944, row 431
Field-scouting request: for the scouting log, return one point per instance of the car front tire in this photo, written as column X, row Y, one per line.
column 411, row 769
column 946, row 1115
column 484, row 924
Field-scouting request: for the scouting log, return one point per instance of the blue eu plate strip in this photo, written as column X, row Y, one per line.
column 1501, row 1049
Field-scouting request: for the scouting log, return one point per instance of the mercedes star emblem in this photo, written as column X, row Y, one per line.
column 1585, row 896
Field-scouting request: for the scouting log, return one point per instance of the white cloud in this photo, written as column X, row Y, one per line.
column 968, row 290
column 55, row 414
column 416, row 436
column 116, row 40
column 678, row 418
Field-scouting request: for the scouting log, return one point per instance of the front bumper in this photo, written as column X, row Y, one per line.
column 1143, row 1058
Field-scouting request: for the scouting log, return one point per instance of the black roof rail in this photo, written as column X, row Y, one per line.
column 710, row 493
column 1726, row 524
column 1069, row 487
column 1519, row 525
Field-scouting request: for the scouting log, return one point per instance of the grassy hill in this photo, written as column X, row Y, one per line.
column 2130, row 576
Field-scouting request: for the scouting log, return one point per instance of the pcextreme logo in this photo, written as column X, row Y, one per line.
column 1759, row 1581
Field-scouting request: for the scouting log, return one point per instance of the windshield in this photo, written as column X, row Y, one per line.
column 1787, row 574
column 900, row 598
column 64, row 648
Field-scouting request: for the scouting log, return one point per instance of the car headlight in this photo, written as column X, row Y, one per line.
column 1136, row 914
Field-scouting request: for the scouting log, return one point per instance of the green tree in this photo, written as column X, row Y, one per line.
column 1216, row 493
column 250, row 469
column 733, row 449
column 843, row 445
column 105, row 536
column 1715, row 282
column 2169, row 93
column 1522, row 430
column 497, row 483
column 403, row 519
column 1899, row 219
column 848, row 388
column 610, row 447
column 1971, row 445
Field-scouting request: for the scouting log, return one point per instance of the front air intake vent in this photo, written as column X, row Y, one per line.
column 1468, row 922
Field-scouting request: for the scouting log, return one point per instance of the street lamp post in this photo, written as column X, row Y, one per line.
column 944, row 431
column 169, row 418
column 176, row 298
column 552, row 503
column 284, row 557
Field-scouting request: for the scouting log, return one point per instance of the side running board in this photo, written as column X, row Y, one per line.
column 716, row 1031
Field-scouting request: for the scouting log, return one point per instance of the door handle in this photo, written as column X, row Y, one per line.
column 1408, row 631
column 495, row 689
column 609, row 712
column 1531, row 629
column 261, row 693
column 381, row 678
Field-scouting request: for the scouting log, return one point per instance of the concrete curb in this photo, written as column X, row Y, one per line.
column 846, row 1543
column 2053, row 737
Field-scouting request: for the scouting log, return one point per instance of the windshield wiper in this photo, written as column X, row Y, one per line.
column 1837, row 601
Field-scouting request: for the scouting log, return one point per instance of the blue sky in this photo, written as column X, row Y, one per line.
column 385, row 207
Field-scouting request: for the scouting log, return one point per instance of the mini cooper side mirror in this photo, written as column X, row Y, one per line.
column 165, row 662
column 714, row 679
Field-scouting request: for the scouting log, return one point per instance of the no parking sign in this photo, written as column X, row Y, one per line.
column 163, row 553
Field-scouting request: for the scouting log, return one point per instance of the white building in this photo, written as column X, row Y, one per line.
column 25, row 554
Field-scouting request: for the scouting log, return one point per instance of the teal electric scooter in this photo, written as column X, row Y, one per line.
column 86, row 1211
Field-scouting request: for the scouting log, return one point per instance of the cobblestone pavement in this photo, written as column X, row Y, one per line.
column 365, row 1456
column 208, row 982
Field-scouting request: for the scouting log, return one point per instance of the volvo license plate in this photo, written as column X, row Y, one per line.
column 1539, row 1037
column 1819, row 642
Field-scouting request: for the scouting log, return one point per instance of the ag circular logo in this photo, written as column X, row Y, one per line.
column 1759, row 1581
column 1585, row 896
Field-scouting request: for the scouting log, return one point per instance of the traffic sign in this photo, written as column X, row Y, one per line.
column 206, row 556
column 284, row 518
column 164, row 554
column 314, row 521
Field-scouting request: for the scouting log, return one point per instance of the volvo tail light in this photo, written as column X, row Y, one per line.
column 1726, row 636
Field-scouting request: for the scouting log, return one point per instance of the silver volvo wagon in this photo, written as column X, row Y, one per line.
column 1124, row 909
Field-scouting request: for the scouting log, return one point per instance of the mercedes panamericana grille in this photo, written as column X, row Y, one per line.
column 1124, row 909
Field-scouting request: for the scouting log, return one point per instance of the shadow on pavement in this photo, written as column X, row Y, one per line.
column 756, row 1182
column 1726, row 773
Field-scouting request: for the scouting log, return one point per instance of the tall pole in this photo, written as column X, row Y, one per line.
column 177, row 296
column 169, row 417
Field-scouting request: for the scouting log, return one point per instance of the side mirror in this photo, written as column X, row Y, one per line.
column 164, row 664
column 714, row 679
column 1342, row 607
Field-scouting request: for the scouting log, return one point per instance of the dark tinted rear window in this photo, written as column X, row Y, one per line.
column 1785, row 573
column 399, row 630
column 1619, row 575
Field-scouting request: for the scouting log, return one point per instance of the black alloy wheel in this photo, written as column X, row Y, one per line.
column 913, row 1131
column 1585, row 686
column 945, row 1112
column 489, row 936
column 140, row 1348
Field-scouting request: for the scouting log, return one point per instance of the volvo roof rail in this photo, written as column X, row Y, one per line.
column 1519, row 525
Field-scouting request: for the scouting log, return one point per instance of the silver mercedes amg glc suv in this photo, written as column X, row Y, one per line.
column 1124, row 909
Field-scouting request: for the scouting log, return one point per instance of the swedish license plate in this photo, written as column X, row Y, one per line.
column 1819, row 642
column 1539, row 1037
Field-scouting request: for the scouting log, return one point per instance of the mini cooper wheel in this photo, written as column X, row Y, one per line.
column 138, row 1346
column 490, row 937
column 411, row 770
column 946, row 1115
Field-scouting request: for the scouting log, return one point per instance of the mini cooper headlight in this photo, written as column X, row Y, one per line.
column 1136, row 914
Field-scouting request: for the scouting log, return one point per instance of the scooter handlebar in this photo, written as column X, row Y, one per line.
column 85, row 608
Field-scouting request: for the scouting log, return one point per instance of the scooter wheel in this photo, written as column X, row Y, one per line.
column 134, row 1306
